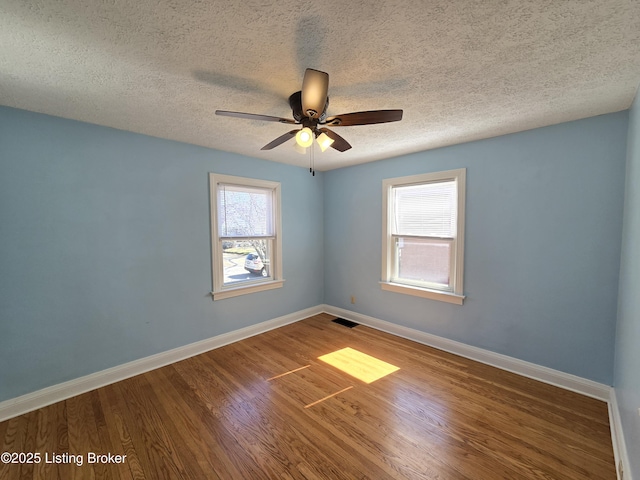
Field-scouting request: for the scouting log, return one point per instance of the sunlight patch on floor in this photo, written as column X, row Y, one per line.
column 357, row 364
column 287, row 373
column 328, row 397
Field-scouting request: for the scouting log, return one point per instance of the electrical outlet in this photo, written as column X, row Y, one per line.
column 353, row 299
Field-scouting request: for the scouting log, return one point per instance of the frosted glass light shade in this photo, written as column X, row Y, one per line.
column 324, row 141
column 304, row 137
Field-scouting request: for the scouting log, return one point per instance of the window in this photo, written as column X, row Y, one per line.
column 423, row 235
column 246, row 237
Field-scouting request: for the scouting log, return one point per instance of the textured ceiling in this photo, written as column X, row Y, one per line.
column 461, row 70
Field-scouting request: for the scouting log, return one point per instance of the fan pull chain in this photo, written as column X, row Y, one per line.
column 312, row 166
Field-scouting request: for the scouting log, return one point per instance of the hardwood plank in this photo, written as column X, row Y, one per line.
column 46, row 440
column 119, row 434
column 83, row 437
column 15, row 429
column 109, row 441
column 150, row 435
column 29, row 444
column 252, row 422
column 199, row 426
column 176, row 430
column 209, row 392
column 296, row 431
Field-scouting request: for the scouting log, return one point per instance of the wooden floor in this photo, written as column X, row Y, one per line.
column 223, row 415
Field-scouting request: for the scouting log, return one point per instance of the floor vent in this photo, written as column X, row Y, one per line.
column 345, row 323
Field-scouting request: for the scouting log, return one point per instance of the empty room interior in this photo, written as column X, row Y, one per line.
column 248, row 240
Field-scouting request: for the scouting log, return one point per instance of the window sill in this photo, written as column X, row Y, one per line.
column 237, row 291
column 423, row 292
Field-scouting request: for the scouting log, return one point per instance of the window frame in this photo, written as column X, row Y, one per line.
column 389, row 262
column 275, row 280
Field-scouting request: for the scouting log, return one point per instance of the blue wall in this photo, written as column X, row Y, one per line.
column 542, row 245
column 105, row 248
column 105, row 255
column 627, row 365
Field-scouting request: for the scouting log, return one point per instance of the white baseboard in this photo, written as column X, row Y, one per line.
column 504, row 362
column 617, row 438
column 47, row 396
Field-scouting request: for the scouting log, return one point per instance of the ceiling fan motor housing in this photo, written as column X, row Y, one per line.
column 295, row 102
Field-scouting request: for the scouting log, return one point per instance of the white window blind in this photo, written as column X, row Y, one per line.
column 245, row 211
column 427, row 210
column 423, row 235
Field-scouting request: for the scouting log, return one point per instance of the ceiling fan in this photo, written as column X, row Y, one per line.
column 309, row 107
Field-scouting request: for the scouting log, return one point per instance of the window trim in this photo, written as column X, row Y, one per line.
column 456, row 296
column 219, row 291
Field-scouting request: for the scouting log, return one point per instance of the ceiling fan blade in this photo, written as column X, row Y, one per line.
column 339, row 143
column 280, row 140
column 315, row 86
column 254, row 116
column 364, row 118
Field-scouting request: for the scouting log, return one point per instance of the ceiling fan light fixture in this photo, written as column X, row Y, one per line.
column 304, row 137
column 309, row 109
column 324, row 141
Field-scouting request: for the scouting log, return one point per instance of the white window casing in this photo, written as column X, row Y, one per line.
column 423, row 219
column 235, row 222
